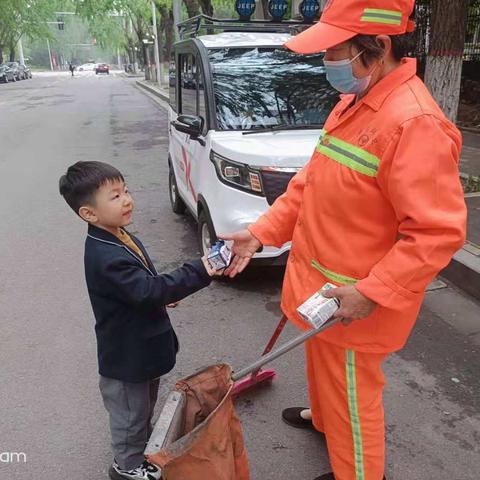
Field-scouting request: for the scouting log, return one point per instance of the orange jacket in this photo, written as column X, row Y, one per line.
column 380, row 205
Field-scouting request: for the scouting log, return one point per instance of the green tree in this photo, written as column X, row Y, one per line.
column 132, row 23
column 24, row 18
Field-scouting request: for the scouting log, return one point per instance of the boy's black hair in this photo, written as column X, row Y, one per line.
column 83, row 179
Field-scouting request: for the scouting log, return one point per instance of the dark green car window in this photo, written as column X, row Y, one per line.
column 258, row 88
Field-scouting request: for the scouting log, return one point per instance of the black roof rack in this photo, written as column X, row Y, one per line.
column 202, row 23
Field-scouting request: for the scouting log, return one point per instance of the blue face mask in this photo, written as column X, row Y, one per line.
column 341, row 78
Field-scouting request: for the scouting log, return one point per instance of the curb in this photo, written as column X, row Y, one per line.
column 469, row 129
column 153, row 90
column 131, row 75
column 464, row 270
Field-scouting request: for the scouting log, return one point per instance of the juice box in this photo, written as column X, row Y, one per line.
column 220, row 256
column 317, row 309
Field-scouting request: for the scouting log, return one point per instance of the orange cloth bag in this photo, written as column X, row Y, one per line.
column 212, row 445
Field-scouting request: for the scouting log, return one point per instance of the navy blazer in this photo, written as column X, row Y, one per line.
column 135, row 340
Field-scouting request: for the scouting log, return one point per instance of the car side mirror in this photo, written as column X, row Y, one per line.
column 190, row 124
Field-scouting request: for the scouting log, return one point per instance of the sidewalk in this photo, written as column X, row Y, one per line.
column 464, row 269
column 133, row 75
column 470, row 160
column 154, row 89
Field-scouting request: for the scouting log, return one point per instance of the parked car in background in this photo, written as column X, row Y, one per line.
column 26, row 72
column 102, row 68
column 15, row 66
column 7, row 74
column 87, row 67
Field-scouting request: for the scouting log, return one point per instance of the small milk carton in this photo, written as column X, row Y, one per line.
column 220, row 256
column 317, row 309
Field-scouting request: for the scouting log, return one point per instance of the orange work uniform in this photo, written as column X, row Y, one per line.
column 380, row 206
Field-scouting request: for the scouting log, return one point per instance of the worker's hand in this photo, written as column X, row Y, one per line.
column 211, row 271
column 244, row 247
column 353, row 305
column 173, row 305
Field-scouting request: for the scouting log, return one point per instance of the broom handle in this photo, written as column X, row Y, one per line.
column 281, row 325
column 276, row 334
column 286, row 347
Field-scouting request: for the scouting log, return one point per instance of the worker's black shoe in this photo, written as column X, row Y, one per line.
column 329, row 476
column 291, row 416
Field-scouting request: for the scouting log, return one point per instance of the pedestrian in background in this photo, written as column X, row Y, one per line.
column 71, row 68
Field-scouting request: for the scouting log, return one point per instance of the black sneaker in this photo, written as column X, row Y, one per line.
column 146, row 471
column 329, row 476
column 291, row 416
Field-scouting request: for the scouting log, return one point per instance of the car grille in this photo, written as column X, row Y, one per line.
column 275, row 183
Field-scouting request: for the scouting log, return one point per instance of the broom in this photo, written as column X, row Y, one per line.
column 260, row 376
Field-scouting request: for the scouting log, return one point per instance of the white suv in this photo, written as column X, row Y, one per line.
column 245, row 115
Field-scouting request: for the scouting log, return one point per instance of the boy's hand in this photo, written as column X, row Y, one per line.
column 211, row 271
column 173, row 305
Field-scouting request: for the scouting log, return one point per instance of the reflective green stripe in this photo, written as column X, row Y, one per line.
column 376, row 15
column 335, row 277
column 349, row 155
column 354, row 416
column 380, row 12
column 377, row 19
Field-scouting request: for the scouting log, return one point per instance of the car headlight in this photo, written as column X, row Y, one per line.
column 238, row 175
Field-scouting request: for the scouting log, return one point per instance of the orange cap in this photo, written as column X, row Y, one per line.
column 344, row 19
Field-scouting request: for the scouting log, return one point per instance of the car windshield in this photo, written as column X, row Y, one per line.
column 257, row 88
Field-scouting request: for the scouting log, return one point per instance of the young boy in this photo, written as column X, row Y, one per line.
column 136, row 343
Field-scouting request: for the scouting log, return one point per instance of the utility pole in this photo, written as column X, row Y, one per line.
column 50, row 55
column 20, row 52
column 155, row 44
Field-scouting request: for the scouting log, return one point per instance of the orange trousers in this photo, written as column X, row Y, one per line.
column 345, row 389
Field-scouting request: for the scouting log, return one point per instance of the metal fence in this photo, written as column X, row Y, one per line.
column 422, row 31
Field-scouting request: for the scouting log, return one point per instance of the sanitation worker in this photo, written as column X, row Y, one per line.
column 378, row 211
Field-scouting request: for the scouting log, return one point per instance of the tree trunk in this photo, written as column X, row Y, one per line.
column 166, row 33
column 265, row 12
column 12, row 53
column 146, row 61
column 193, row 9
column 443, row 70
column 169, row 34
column 207, row 7
column 1, row 54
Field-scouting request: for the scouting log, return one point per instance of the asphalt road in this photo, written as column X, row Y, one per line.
column 50, row 406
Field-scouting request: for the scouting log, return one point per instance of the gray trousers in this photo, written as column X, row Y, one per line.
column 130, row 408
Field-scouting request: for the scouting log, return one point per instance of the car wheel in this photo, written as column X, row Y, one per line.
column 178, row 205
column 205, row 232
